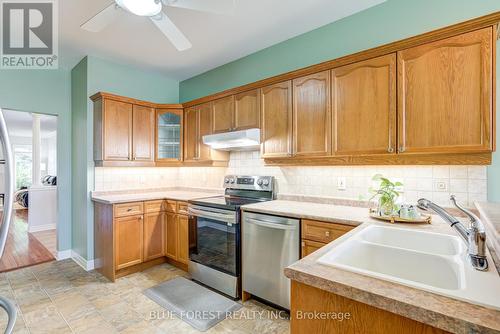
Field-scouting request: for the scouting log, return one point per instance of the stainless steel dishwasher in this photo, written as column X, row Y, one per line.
column 269, row 244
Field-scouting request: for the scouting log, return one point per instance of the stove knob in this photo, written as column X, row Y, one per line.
column 259, row 182
column 232, row 181
column 226, row 180
column 266, row 182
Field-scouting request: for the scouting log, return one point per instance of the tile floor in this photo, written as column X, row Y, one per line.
column 61, row 297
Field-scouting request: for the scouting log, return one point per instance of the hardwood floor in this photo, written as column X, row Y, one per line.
column 22, row 249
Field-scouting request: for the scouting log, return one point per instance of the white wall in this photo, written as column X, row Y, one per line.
column 48, row 155
column 468, row 183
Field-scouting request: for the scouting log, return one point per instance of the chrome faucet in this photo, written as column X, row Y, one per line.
column 473, row 236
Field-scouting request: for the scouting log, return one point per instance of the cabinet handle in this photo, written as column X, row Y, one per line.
column 390, row 150
column 327, row 234
column 129, row 209
column 303, row 244
column 402, row 149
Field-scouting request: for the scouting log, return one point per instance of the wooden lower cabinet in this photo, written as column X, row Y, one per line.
column 154, row 241
column 131, row 237
column 171, row 237
column 316, row 234
column 128, row 241
column 183, row 239
column 363, row 318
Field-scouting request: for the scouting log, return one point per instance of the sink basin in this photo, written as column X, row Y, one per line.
column 424, row 260
column 397, row 264
column 415, row 240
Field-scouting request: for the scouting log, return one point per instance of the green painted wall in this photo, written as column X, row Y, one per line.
column 47, row 92
column 385, row 23
column 90, row 76
column 494, row 169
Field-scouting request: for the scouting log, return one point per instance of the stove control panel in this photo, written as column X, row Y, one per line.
column 265, row 183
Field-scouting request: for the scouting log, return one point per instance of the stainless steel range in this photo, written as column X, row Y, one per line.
column 215, row 231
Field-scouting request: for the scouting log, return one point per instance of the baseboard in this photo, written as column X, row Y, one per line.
column 40, row 228
column 82, row 262
column 63, row 255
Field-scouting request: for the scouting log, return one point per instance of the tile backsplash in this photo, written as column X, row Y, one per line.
column 468, row 183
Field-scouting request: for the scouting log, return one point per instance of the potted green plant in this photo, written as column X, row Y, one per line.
column 387, row 195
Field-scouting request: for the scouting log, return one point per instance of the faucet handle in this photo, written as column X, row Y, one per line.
column 474, row 220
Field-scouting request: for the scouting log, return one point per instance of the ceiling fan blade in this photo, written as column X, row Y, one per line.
column 101, row 19
column 226, row 7
column 170, row 30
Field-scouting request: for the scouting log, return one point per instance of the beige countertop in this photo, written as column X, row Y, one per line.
column 149, row 195
column 439, row 311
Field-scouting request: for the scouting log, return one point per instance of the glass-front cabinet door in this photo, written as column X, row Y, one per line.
column 169, row 135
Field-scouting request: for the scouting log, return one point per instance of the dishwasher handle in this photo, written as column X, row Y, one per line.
column 271, row 225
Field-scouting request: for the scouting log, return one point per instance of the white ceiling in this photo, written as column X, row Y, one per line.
column 216, row 39
column 19, row 124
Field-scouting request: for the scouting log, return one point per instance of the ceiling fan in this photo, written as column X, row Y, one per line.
column 154, row 10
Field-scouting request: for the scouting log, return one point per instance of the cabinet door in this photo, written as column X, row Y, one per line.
column 171, row 236
column 169, row 135
column 222, row 114
column 183, row 239
column 117, row 130
column 205, row 128
column 276, row 132
column 312, row 123
column 191, row 130
column 154, row 235
column 445, row 95
column 364, row 107
column 247, row 110
column 309, row 247
column 143, row 125
column 128, row 241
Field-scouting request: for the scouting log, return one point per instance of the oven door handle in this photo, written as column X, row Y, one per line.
column 212, row 215
column 271, row 225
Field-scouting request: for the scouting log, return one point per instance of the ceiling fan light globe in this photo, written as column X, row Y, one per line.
column 141, row 7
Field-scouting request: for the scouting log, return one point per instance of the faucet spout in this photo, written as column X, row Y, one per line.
column 474, row 236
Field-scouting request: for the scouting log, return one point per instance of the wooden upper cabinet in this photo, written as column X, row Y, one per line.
column 117, row 130
column 276, row 108
column 191, row 137
column 154, row 235
column 247, row 110
column 312, row 122
column 445, row 95
column 198, row 124
column 364, row 107
column 222, row 114
column 169, row 135
column 143, row 129
column 128, row 241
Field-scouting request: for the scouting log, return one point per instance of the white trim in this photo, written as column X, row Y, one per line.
column 63, row 255
column 81, row 261
column 39, row 228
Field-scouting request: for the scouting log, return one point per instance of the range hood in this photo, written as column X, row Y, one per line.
column 244, row 140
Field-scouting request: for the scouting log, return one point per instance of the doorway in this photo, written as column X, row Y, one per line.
column 32, row 237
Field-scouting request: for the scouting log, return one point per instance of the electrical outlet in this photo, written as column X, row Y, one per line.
column 441, row 186
column 341, row 183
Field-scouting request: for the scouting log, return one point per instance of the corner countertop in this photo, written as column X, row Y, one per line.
column 115, row 197
column 446, row 313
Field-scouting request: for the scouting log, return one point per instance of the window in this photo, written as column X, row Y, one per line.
column 23, row 162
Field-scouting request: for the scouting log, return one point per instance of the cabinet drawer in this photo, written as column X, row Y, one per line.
column 128, row 209
column 153, row 206
column 323, row 232
column 171, row 206
column 182, row 208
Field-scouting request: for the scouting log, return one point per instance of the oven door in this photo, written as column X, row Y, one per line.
column 215, row 238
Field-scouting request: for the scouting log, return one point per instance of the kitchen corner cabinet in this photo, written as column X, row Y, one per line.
column 169, row 135
column 364, row 107
column 198, row 123
column 131, row 237
column 445, row 95
column 312, row 122
column 276, row 110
